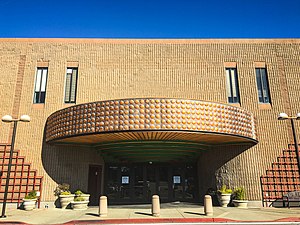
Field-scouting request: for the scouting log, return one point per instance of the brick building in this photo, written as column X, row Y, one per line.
column 129, row 118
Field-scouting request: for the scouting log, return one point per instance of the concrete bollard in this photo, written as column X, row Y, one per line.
column 155, row 206
column 103, row 206
column 208, row 208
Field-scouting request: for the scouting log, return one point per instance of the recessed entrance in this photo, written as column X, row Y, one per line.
column 136, row 183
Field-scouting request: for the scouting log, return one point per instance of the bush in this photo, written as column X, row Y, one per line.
column 78, row 192
column 31, row 195
column 239, row 194
column 65, row 193
column 224, row 190
column 62, row 189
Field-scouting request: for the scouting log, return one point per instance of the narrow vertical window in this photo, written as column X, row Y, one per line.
column 232, row 85
column 262, row 85
column 40, row 85
column 71, row 85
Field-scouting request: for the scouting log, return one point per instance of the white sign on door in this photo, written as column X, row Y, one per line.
column 125, row 179
column 176, row 180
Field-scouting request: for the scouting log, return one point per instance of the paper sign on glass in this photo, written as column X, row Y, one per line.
column 125, row 179
column 176, row 179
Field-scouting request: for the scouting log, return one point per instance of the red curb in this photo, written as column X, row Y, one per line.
column 289, row 219
column 172, row 220
column 157, row 220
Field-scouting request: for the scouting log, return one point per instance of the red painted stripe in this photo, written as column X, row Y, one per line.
column 170, row 220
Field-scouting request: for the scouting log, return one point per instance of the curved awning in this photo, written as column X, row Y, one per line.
column 150, row 120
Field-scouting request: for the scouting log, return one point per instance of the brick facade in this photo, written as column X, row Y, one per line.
column 118, row 69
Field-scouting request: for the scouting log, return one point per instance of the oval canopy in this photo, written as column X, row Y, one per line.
column 151, row 128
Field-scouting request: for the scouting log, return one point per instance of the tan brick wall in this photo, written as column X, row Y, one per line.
column 113, row 69
column 9, row 62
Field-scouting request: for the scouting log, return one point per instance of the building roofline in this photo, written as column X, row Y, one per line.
column 154, row 40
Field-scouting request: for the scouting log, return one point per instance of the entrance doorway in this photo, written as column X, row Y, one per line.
column 136, row 183
column 94, row 183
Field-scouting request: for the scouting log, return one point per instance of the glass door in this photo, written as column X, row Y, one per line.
column 178, row 183
column 163, row 183
column 190, row 183
column 112, row 183
column 137, row 183
column 118, row 185
column 125, row 186
column 151, row 182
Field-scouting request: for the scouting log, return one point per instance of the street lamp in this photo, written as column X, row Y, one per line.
column 284, row 116
column 9, row 119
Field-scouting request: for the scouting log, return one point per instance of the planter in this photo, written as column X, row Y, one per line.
column 65, row 200
column 29, row 204
column 240, row 203
column 86, row 197
column 224, row 199
column 79, row 205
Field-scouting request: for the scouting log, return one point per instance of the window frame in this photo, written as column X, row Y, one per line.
column 68, row 85
column 40, row 83
column 262, row 85
column 231, row 72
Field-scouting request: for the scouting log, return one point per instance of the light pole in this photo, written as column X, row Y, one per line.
column 284, row 116
column 9, row 119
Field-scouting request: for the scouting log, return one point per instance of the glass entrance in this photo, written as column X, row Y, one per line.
column 136, row 183
column 163, row 183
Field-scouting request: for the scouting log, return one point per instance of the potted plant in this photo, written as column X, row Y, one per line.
column 79, row 193
column 239, row 198
column 65, row 196
column 29, row 201
column 79, row 203
column 224, row 195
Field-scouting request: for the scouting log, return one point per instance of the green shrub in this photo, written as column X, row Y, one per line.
column 225, row 190
column 78, row 199
column 239, row 194
column 31, row 195
column 78, row 192
column 62, row 188
column 65, row 193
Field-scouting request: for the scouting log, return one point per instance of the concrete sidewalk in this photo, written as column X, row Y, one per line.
column 142, row 214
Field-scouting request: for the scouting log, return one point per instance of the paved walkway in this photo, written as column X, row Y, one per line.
column 142, row 214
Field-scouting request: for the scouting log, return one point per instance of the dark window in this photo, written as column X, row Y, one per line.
column 71, row 85
column 40, row 85
column 262, row 85
column 232, row 85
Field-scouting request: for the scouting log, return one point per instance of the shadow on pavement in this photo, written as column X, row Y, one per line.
column 193, row 213
column 92, row 214
column 141, row 213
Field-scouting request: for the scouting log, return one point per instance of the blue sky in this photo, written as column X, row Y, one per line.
column 150, row 18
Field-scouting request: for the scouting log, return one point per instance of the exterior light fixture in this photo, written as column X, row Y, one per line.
column 25, row 118
column 9, row 119
column 284, row 116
